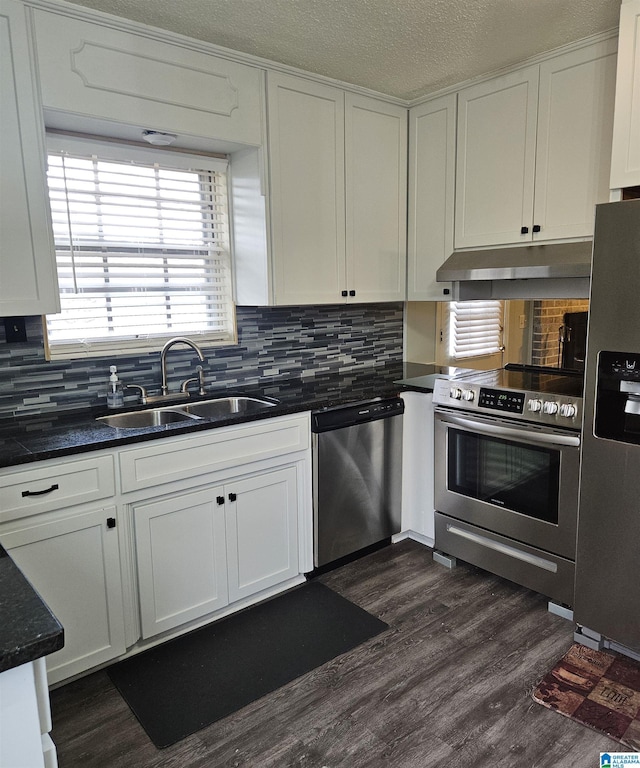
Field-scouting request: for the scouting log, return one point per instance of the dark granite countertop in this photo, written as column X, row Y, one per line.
column 50, row 435
column 28, row 629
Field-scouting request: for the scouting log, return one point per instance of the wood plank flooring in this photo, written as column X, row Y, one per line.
column 448, row 684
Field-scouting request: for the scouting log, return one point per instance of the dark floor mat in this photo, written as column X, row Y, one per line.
column 190, row 682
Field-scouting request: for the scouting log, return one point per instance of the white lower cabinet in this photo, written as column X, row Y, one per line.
column 73, row 561
column 197, row 551
column 418, row 506
column 131, row 543
column 262, row 532
column 181, row 558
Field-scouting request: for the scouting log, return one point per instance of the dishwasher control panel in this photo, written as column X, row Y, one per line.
column 359, row 413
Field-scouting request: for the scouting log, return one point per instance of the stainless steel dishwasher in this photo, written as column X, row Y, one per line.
column 357, row 477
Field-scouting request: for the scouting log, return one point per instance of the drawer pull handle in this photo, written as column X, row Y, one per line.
column 54, row 487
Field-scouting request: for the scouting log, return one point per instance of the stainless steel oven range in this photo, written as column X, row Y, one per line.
column 506, row 473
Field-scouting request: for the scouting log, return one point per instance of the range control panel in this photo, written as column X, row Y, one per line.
column 537, row 407
column 499, row 400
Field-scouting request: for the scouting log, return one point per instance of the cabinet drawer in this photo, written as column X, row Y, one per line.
column 225, row 448
column 54, row 486
column 93, row 69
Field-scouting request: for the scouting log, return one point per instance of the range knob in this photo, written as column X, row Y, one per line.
column 455, row 393
column 468, row 395
column 568, row 410
column 550, row 407
column 535, row 405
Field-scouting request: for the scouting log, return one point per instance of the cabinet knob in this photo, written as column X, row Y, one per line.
column 220, row 500
column 344, row 293
column 111, row 522
column 232, row 497
column 352, row 293
column 536, row 227
column 446, row 291
column 524, row 230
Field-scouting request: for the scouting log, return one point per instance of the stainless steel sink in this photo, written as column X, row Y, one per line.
column 225, row 406
column 218, row 408
column 155, row 417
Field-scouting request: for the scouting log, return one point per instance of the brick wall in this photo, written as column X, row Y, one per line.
column 548, row 316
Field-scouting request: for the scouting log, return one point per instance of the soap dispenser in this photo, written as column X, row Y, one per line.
column 115, row 395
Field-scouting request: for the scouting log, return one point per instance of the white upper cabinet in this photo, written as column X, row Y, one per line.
column 534, row 150
column 625, row 155
column 575, row 127
column 28, row 280
column 306, row 155
column 376, row 185
column 93, row 70
column 496, row 159
column 432, row 161
column 338, row 194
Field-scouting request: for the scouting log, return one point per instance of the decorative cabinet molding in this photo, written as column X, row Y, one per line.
column 28, row 278
column 625, row 155
column 534, row 150
column 338, row 194
column 432, row 162
column 92, row 70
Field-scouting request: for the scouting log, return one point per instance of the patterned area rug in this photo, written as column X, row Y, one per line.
column 599, row 689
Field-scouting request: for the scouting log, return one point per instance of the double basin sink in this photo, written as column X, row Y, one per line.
column 218, row 408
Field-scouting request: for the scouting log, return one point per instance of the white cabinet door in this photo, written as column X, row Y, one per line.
column 28, row 279
column 575, row 126
column 432, row 162
column 496, row 160
column 74, row 564
column 306, row 146
column 376, row 185
column 625, row 155
column 182, row 569
column 262, row 531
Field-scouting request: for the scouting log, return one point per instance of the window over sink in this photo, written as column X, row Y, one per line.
column 142, row 247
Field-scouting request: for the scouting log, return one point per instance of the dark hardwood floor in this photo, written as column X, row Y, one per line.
column 448, row 684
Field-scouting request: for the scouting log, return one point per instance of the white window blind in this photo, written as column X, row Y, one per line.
column 142, row 247
column 475, row 328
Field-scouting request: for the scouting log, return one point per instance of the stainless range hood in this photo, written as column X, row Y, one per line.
column 554, row 270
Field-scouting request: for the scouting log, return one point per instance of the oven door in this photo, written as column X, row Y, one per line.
column 515, row 480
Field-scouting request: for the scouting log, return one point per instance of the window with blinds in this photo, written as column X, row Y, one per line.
column 475, row 328
column 142, row 247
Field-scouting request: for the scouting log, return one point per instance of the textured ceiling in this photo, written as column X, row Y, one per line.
column 405, row 48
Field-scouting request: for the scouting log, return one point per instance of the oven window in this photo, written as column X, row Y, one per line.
column 506, row 474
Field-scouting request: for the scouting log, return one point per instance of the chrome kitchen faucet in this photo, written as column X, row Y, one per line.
column 163, row 357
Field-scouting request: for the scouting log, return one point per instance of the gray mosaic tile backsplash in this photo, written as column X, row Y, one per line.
column 272, row 342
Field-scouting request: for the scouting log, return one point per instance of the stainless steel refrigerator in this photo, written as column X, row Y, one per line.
column 607, row 589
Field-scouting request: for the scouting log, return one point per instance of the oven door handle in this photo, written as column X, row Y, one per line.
column 544, row 438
